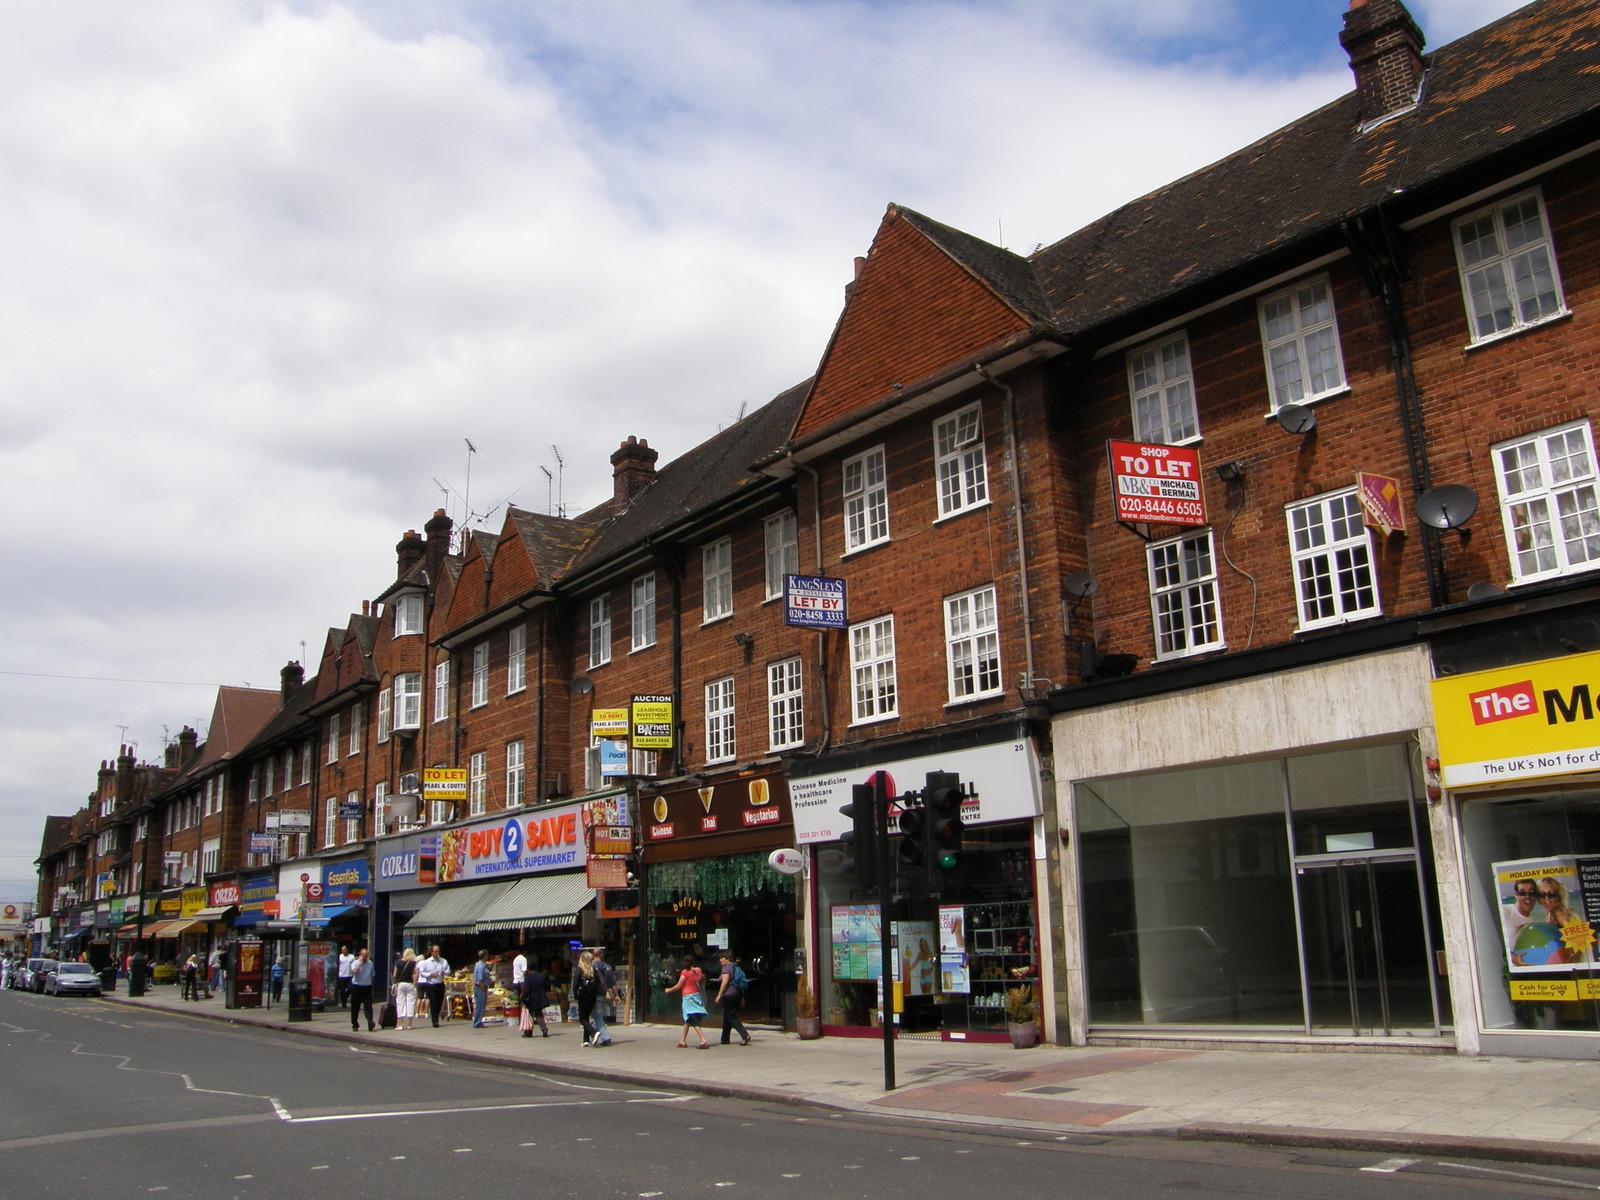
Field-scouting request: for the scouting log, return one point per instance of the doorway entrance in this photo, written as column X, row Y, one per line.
column 1364, row 945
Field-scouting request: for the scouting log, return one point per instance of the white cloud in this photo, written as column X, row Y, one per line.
column 267, row 265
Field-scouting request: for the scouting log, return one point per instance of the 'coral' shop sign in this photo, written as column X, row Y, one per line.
column 550, row 840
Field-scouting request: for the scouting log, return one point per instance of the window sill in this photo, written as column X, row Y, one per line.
column 976, row 698
column 727, row 616
column 1185, row 655
column 1516, row 331
column 862, row 549
column 516, row 691
column 878, row 720
column 1309, row 402
column 1338, row 622
column 632, row 650
column 595, row 666
column 961, row 512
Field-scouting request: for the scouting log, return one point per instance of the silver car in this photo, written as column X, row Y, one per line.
column 72, row 979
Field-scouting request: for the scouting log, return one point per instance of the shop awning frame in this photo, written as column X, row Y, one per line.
column 220, row 913
column 539, row 902
column 457, row 909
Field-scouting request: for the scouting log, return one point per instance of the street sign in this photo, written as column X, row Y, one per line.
column 313, row 891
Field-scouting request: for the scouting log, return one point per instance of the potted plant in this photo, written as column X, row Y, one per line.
column 807, row 1023
column 1022, row 1022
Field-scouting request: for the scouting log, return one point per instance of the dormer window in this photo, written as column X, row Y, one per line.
column 408, row 614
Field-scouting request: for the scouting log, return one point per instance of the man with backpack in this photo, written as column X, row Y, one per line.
column 730, row 994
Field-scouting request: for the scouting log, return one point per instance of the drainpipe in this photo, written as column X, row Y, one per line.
column 1010, row 409
column 675, row 578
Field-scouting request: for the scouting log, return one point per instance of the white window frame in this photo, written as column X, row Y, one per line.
column 439, row 811
column 960, row 461
column 972, row 645
column 385, row 716
column 1300, row 344
column 288, row 768
column 1161, row 392
column 1508, row 287
column 516, row 775
column 478, row 783
column 716, row 589
column 642, row 617
column 380, row 794
column 480, row 675
column 1184, row 603
column 211, row 857
column 599, row 630
column 333, row 739
column 252, row 791
column 780, row 535
column 354, row 745
column 864, row 481
column 330, row 821
column 642, row 763
column 441, row 691
column 1548, row 502
column 722, row 739
column 786, row 714
column 874, row 695
column 1329, row 543
column 408, row 700
column 516, row 659
column 408, row 614
column 307, row 750
column 352, row 825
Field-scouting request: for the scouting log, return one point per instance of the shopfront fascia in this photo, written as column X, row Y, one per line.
column 707, row 887
column 964, row 936
column 1261, row 855
column 1519, row 758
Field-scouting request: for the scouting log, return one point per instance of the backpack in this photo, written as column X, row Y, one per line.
column 739, row 980
column 588, row 986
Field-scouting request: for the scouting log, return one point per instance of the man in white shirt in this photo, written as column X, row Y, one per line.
column 431, row 972
column 519, row 968
column 347, row 963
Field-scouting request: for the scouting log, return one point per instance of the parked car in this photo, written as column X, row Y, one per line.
column 38, row 968
column 72, row 979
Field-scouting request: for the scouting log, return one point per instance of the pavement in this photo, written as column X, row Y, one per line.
column 1411, row 1104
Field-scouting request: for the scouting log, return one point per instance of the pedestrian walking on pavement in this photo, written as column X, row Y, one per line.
column 608, row 997
column 277, row 980
column 360, row 993
column 347, row 964
column 533, row 996
column 191, row 978
column 690, row 978
column 586, row 990
column 431, row 972
column 482, row 980
column 730, row 994
column 405, row 990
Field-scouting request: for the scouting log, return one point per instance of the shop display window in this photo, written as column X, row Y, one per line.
column 1533, row 884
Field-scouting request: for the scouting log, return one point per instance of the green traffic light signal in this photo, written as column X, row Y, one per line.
column 942, row 800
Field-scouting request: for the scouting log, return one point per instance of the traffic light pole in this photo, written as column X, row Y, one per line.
column 880, row 807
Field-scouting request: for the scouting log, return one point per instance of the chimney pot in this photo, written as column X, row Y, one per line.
column 1384, row 43
column 633, row 468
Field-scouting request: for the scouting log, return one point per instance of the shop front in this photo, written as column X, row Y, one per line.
column 506, row 883
column 1519, row 754
column 964, row 929
column 708, row 888
column 1259, row 855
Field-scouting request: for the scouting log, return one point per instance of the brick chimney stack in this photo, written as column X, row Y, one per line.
column 633, row 469
column 188, row 743
column 409, row 550
column 1385, row 48
column 292, row 676
column 438, row 529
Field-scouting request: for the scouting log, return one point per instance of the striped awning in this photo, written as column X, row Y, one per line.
column 539, row 902
column 457, row 909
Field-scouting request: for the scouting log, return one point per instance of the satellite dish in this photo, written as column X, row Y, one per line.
column 1080, row 585
column 1296, row 418
column 581, row 686
column 1483, row 591
column 1449, row 506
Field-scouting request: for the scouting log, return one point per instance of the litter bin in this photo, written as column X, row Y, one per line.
column 136, row 975
column 299, row 999
column 108, row 979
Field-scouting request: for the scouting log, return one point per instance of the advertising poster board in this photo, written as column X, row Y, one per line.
column 857, row 943
column 1547, row 918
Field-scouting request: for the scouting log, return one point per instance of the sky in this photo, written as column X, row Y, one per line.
column 267, row 271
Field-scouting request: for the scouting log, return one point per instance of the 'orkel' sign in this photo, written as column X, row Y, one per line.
column 1158, row 485
column 1525, row 722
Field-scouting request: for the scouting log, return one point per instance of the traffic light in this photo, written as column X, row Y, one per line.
column 914, row 827
column 861, row 839
column 942, row 801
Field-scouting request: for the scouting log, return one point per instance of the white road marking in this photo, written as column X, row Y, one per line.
column 1521, row 1175
column 471, row 1108
column 1390, row 1165
column 464, row 1150
column 244, row 1176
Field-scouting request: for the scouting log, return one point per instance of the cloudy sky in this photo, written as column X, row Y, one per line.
column 266, row 268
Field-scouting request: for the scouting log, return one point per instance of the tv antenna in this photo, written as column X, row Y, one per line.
column 466, row 499
column 561, row 481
